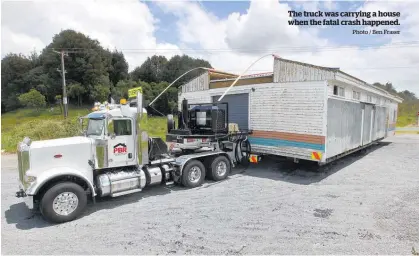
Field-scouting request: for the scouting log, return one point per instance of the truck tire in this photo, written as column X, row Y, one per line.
column 63, row 202
column 220, row 168
column 193, row 174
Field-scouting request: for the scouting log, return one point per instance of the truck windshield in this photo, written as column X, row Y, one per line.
column 95, row 127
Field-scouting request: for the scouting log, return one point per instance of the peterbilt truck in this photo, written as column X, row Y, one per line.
column 114, row 157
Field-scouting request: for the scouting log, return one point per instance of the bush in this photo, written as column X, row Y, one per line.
column 32, row 99
column 39, row 130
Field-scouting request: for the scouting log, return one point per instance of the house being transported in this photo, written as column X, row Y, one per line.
column 301, row 111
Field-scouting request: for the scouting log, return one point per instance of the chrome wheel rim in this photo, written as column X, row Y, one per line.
column 65, row 203
column 194, row 174
column 221, row 168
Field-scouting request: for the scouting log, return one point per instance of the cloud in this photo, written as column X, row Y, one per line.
column 240, row 39
column 231, row 43
column 127, row 24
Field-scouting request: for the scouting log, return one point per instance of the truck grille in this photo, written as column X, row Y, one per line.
column 23, row 163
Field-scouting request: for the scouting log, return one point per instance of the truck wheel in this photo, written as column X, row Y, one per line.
column 193, row 174
column 63, row 202
column 220, row 168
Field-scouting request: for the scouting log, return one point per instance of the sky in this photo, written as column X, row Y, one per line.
column 231, row 35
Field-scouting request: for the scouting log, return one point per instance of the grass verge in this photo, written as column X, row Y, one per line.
column 50, row 124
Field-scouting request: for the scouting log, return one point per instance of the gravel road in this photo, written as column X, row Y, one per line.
column 366, row 203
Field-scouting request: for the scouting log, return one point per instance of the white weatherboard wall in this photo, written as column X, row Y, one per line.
column 199, row 83
column 289, row 107
column 289, row 71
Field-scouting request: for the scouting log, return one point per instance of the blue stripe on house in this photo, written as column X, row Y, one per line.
column 284, row 143
column 391, row 129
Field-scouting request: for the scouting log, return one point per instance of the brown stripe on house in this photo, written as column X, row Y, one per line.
column 247, row 81
column 289, row 136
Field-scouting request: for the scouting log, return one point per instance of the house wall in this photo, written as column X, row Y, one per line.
column 199, row 83
column 288, row 71
column 286, row 118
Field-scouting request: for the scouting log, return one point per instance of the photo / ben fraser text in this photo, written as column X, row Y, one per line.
column 376, row 32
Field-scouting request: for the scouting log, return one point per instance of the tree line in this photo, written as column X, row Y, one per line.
column 93, row 73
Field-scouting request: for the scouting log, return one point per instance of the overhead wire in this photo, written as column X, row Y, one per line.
column 407, row 44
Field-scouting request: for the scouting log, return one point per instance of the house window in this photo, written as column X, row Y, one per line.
column 369, row 98
column 356, row 95
column 339, row 91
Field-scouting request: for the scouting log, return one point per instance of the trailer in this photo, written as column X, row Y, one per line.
column 302, row 111
column 115, row 156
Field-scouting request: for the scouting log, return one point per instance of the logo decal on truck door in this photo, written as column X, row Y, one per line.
column 120, row 149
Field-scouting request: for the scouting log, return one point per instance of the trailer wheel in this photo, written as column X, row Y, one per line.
column 193, row 174
column 220, row 168
column 63, row 202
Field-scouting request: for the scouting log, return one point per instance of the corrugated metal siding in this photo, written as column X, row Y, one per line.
column 344, row 121
column 366, row 134
column 346, row 124
column 238, row 109
column 285, row 71
column 380, row 116
column 199, row 83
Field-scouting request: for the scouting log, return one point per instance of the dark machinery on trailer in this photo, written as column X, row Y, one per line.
column 206, row 127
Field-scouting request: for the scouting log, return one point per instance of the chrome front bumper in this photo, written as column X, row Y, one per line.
column 28, row 200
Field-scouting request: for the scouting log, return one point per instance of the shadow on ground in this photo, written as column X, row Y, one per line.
column 305, row 172
column 26, row 219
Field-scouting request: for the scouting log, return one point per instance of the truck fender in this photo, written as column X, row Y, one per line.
column 52, row 173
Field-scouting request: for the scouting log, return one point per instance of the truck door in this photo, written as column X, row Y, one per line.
column 121, row 143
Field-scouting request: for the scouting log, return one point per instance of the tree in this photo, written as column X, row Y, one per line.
column 119, row 68
column 32, row 99
column 13, row 70
column 178, row 65
column 76, row 90
column 101, row 90
column 152, row 70
column 121, row 89
column 85, row 64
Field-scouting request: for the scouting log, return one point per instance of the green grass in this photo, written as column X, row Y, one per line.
column 403, row 121
column 46, row 124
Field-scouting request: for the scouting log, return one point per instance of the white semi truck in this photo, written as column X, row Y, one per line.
column 114, row 157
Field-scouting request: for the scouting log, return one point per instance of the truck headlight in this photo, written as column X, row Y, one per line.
column 29, row 179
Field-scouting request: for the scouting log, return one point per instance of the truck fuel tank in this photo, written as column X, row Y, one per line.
column 121, row 182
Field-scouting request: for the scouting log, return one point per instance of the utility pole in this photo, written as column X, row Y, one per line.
column 64, row 98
